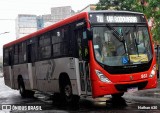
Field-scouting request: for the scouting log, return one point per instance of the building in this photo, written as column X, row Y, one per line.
column 59, row 13
column 25, row 24
column 47, row 20
column 44, row 21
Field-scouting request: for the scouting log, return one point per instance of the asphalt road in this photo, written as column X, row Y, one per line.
column 146, row 101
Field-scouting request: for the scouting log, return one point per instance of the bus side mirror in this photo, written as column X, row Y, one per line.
column 90, row 34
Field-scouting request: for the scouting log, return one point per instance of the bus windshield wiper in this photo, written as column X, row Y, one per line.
column 119, row 37
column 135, row 39
column 115, row 33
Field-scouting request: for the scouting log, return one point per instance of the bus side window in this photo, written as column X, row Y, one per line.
column 44, row 46
column 22, row 52
column 82, row 42
column 6, row 57
column 85, row 46
column 79, row 43
column 16, row 54
column 10, row 59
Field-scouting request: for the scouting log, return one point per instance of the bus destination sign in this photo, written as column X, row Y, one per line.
column 121, row 19
column 116, row 18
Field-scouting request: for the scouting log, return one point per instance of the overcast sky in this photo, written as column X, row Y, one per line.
column 9, row 9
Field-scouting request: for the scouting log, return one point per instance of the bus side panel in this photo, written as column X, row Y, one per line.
column 21, row 69
column 32, row 77
column 42, row 67
column 48, row 72
column 8, row 77
column 78, row 76
column 68, row 65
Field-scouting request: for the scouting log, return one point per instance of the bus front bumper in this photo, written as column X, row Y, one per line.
column 100, row 89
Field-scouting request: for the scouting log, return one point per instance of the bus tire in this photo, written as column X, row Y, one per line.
column 66, row 93
column 56, row 99
column 30, row 93
column 22, row 90
column 117, row 95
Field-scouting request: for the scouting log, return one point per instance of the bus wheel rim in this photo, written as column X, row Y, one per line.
column 68, row 90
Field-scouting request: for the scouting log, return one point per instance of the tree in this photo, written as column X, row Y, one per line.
column 129, row 5
column 151, row 8
column 153, row 11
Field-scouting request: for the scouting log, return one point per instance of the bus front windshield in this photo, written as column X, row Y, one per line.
column 119, row 46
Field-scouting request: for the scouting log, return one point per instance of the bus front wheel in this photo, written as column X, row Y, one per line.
column 117, row 95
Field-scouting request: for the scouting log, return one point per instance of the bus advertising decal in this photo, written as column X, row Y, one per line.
column 50, row 70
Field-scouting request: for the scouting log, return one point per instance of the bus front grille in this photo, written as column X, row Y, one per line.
column 124, row 87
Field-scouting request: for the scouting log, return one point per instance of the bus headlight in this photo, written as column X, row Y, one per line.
column 102, row 77
column 153, row 72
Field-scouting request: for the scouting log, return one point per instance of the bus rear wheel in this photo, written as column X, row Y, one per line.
column 23, row 92
column 66, row 92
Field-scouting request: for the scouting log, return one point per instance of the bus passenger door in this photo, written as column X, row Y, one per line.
column 83, row 61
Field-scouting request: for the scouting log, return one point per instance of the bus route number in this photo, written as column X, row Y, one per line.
column 144, row 76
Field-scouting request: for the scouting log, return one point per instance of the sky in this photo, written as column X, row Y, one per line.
column 9, row 10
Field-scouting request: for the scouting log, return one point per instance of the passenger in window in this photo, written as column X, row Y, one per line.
column 80, row 50
column 98, row 55
column 108, row 49
column 97, row 40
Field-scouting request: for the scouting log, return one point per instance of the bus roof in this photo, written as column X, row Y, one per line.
column 63, row 22
column 56, row 25
column 114, row 11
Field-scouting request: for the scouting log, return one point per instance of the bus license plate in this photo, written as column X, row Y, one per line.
column 133, row 89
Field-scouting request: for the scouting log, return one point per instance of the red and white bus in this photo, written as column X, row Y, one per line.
column 89, row 54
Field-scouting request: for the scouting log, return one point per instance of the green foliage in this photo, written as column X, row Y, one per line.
column 151, row 8
column 117, row 4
